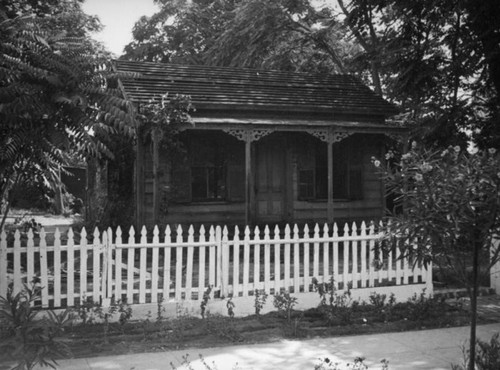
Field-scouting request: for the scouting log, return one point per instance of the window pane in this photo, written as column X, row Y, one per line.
column 306, row 184
column 199, row 182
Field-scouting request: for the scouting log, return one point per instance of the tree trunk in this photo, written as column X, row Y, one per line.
column 473, row 305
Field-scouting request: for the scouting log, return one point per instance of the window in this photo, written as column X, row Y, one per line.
column 347, row 171
column 210, row 169
column 208, row 182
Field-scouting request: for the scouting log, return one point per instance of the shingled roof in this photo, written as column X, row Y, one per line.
column 235, row 89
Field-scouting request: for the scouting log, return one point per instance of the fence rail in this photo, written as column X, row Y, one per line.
column 144, row 269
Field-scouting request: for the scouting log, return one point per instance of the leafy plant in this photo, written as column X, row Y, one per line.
column 487, row 355
column 421, row 307
column 448, row 213
column 378, row 301
column 58, row 93
column 160, row 310
column 334, row 305
column 31, row 341
column 204, row 300
column 230, row 307
column 186, row 364
column 89, row 312
column 260, row 298
column 284, row 303
column 357, row 364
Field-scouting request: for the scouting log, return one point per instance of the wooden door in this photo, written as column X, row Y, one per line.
column 270, row 180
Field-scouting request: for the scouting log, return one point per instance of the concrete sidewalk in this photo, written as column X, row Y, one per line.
column 427, row 349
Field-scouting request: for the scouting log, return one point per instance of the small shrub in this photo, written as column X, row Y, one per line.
column 284, row 303
column 86, row 310
column 378, row 301
column 28, row 340
column 487, row 355
column 230, row 307
column 259, row 301
column 333, row 305
column 89, row 312
column 125, row 312
column 204, row 301
column 357, row 364
column 421, row 307
column 186, row 364
column 160, row 310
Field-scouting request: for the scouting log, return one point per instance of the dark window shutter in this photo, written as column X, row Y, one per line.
column 355, row 187
column 236, row 176
column 340, row 170
column 236, row 182
column 181, row 181
column 306, row 184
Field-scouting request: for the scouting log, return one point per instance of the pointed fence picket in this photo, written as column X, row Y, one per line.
column 178, row 267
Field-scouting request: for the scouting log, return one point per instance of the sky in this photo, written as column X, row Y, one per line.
column 118, row 17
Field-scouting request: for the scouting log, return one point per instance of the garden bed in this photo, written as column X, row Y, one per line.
column 93, row 330
column 185, row 332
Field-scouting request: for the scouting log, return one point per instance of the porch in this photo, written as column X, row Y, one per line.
column 258, row 176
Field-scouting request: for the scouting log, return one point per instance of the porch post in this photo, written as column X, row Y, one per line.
column 156, row 136
column 248, row 135
column 329, row 136
column 248, row 180
column 329, row 213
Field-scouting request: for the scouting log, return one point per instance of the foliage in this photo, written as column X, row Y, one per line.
column 180, row 32
column 186, row 364
column 357, row 364
column 284, row 303
column 160, row 119
column 430, row 58
column 58, row 96
column 421, row 307
column 384, row 307
column 91, row 312
column 487, row 355
column 334, row 305
column 284, row 35
column 28, row 340
column 230, row 307
column 204, row 300
column 449, row 203
column 324, row 364
column 260, row 298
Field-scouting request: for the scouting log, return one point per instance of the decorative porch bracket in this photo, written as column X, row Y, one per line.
column 248, row 136
column 330, row 136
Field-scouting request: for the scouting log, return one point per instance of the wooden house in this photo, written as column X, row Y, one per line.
column 266, row 147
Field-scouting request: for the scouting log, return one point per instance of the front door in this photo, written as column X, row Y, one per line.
column 270, row 179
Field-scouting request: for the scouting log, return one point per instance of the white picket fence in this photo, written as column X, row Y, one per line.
column 181, row 267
